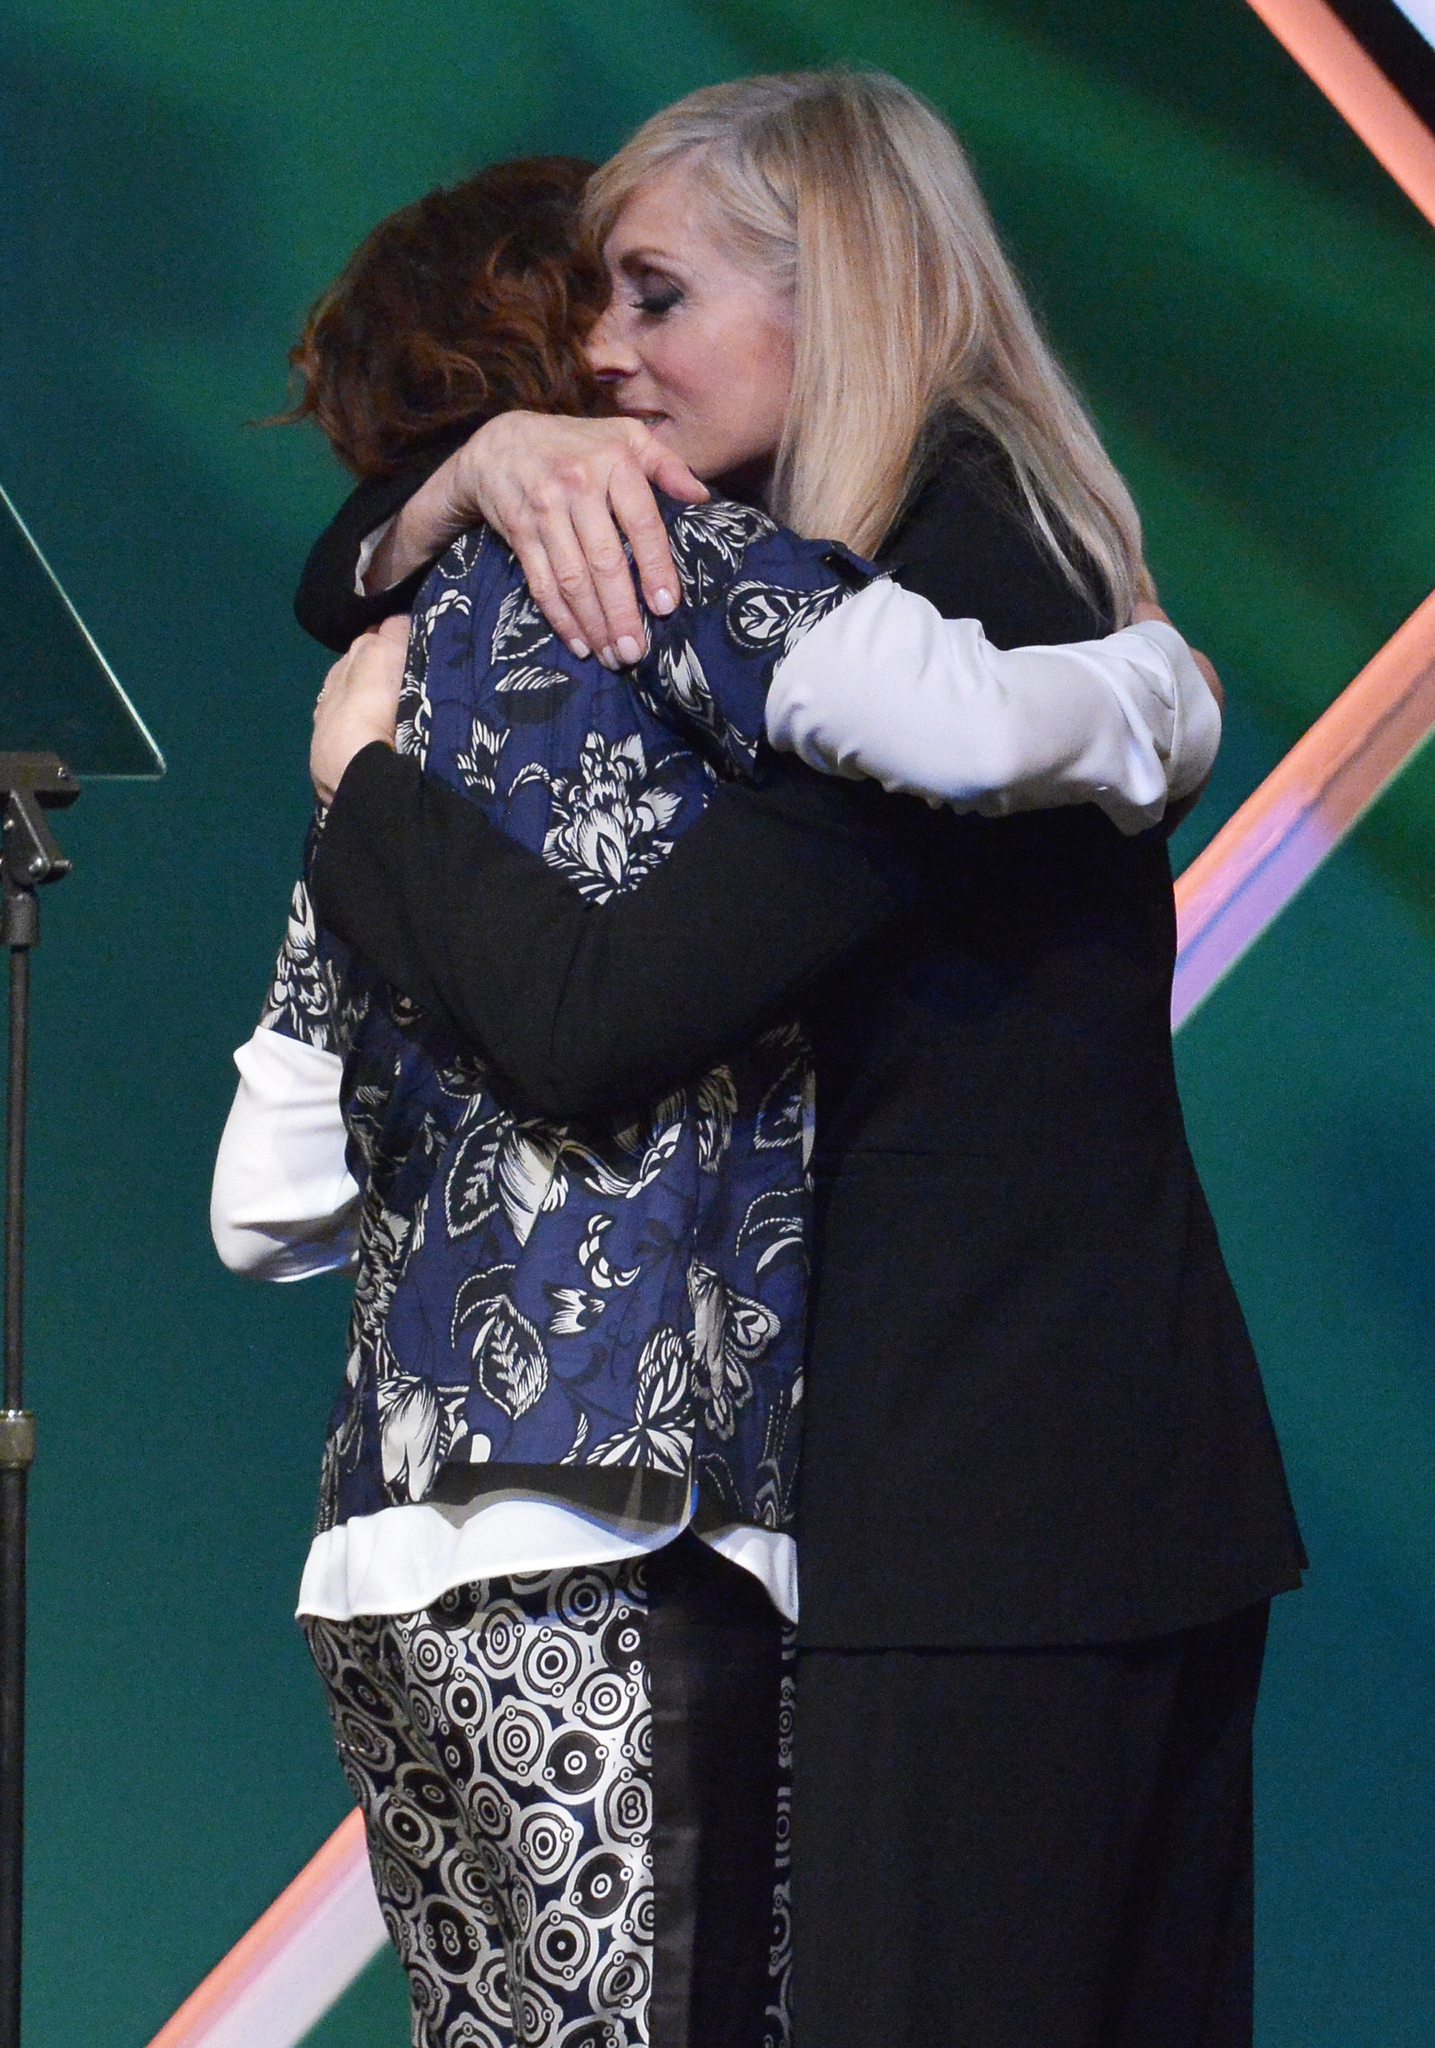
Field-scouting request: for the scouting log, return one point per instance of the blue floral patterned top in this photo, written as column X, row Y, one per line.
column 628, row 1293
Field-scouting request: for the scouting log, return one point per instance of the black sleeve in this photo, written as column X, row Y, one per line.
column 590, row 1006
column 583, row 1006
column 325, row 603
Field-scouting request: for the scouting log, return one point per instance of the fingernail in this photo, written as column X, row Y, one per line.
column 607, row 657
column 580, row 648
column 664, row 602
column 629, row 651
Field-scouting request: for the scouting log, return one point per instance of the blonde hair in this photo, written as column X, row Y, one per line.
column 850, row 190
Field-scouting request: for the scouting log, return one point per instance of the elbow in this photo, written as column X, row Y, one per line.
column 239, row 1248
column 573, row 1086
column 281, row 1250
column 988, row 766
column 243, row 1251
column 263, row 1254
column 992, row 766
column 571, row 1068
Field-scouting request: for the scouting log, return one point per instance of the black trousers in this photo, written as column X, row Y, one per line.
column 720, row 1676
column 1044, row 1848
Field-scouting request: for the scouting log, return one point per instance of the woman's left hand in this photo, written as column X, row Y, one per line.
column 358, row 704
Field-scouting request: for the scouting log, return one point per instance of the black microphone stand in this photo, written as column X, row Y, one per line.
column 30, row 785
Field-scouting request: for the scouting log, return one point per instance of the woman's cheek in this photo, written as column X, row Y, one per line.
column 681, row 369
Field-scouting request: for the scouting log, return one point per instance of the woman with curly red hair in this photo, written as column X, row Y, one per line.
column 472, row 301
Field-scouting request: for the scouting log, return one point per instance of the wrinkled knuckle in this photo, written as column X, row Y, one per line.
column 645, row 531
column 545, row 496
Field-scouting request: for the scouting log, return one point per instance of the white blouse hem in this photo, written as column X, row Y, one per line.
column 403, row 1558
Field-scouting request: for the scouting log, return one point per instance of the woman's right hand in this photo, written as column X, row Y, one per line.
column 358, row 704
column 563, row 493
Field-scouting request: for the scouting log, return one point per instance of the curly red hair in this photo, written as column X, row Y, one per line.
column 474, row 300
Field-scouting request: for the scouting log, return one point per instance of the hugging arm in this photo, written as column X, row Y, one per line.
column 568, row 540
column 886, row 687
column 587, row 1007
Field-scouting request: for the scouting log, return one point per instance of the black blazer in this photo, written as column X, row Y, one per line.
column 1033, row 1412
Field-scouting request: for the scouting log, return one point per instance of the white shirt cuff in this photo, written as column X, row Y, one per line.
column 368, row 548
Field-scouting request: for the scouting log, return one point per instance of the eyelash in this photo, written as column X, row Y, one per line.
column 656, row 303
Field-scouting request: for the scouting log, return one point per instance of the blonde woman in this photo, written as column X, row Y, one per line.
column 1042, row 1508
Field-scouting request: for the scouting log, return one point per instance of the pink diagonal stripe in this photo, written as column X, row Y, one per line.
column 1357, row 88
column 1264, row 854
column 280, row 1979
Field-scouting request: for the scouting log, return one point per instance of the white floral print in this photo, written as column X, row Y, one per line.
column 662, row 1435
column 730, row 1334
column 606, row 822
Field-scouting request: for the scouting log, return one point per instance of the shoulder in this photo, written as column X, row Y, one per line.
column 477, row 562
column 750, row 590
column 968, row 543
column 756, row 585
column 716, row 543
column 475, row 589
column 709, row 542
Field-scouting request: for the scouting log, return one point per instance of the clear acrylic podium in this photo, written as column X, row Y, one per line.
column 63, row 719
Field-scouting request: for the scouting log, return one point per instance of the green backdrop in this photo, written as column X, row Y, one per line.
column 1251, row 308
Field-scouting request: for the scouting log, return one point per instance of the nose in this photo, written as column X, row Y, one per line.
column 608, row 355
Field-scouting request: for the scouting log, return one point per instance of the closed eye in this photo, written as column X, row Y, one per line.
column 658, row 300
